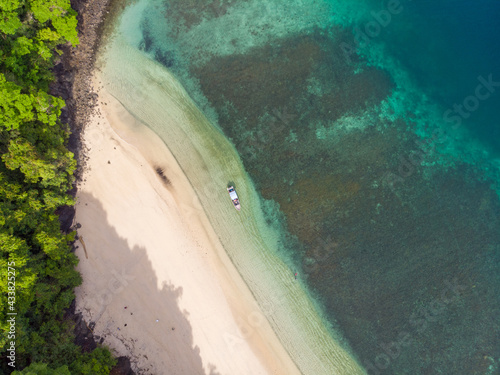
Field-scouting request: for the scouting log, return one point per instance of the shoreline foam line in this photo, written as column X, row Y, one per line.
column 158, row 285
column 151, row 94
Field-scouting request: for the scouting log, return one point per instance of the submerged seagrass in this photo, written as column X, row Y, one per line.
column 385, row 206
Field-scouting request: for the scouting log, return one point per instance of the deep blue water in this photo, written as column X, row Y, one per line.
column 396, row 233
column 447, row 45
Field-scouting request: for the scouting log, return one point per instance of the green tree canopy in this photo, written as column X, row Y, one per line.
column 36, row 172
column 31, row 30
column 37, row 368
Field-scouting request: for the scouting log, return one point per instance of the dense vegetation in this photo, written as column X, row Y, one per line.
column 36, row 172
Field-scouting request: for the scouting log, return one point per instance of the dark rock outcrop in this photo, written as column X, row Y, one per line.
column 73, row 83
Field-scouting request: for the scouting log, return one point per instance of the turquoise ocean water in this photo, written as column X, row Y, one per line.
column 371, row 131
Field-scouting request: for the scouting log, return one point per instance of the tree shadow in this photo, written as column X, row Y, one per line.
column 126, row 307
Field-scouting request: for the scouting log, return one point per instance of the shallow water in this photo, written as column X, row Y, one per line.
column 386, row 203
column 209, row 160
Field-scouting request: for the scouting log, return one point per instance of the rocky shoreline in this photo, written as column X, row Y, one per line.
column 73, row 72
column 73, row 82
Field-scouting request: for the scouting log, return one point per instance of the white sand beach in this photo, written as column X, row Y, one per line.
column 157, row 282
column 173, row 248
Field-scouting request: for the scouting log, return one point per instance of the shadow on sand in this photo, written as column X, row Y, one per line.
column 126, row 318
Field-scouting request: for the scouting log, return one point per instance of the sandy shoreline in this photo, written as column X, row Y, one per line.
column 208, row 159
column 175, row 250
column 152, row 250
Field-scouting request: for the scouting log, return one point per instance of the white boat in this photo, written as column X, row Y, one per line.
column 234, row 197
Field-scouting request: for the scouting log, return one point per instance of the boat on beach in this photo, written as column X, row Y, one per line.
column 234, row 197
